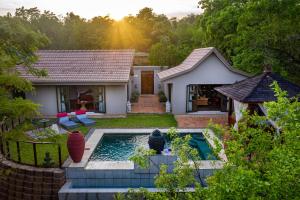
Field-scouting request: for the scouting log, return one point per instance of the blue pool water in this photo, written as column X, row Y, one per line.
column 120, row 147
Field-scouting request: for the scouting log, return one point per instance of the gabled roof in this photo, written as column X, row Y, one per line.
column 257, row 89
column 193, row 61
column 82, row 66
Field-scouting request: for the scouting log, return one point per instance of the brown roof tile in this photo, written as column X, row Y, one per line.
column 88, row 66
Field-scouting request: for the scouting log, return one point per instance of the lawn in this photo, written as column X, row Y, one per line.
column 131, row 121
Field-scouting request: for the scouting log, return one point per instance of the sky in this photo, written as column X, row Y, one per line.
column 116, row 9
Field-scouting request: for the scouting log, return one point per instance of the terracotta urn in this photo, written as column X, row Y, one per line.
column 76, row 145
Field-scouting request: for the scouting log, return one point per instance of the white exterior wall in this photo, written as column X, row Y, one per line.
column 46, row 97
column 136, row 80
column 210, row 71
column 116, row 99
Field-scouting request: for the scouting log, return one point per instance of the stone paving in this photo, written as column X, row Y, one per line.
column 148, row 104
column 199, row 121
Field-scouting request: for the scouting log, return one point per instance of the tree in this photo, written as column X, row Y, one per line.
column 262, row 164
column 18, row 42
column 255, row 33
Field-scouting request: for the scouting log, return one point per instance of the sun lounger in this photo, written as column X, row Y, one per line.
column 65, row 121
column 82, row 118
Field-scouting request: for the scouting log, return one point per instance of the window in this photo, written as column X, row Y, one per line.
column 89, row 98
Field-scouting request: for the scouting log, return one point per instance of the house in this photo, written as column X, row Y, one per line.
column 189, row 86
column 102, row 81
column 93, row 80
column 251, row 93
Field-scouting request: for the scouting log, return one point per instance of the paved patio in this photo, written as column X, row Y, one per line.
column 199, row 121
column 148, row 104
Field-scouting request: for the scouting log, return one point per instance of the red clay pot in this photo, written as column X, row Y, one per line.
column 76, row 146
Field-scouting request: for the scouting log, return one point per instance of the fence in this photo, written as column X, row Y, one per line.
column 39, row 154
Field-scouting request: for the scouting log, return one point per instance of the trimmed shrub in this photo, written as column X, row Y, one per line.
column 162, row 96
column 134, row 97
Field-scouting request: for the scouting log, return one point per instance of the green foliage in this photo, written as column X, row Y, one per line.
column 171, row 185
column 253, row 34
column 250, row 34
column 48, row 161
column 134, row 97
column 18, row 42
column 141, row 156
column 262, row 164
column 162, row 96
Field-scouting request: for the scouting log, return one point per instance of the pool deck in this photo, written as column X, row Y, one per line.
column 105, row 178
column 94, row 138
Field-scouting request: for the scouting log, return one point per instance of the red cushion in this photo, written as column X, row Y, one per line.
column 80, row 112
column 63, row 114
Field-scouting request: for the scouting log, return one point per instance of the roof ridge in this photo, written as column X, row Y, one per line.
column 261, row 78
column 85, row 50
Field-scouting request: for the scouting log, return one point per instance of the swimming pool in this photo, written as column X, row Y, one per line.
column 120, row 147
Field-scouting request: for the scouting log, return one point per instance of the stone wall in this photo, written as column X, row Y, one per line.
column 25, row 182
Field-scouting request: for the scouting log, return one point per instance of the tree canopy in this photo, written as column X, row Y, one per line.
column 249, row 33
column 18, row 42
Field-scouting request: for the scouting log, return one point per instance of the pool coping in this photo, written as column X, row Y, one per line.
column 95, row 137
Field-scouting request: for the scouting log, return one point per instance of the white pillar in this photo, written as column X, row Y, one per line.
column 128, row 106
column 168, row 107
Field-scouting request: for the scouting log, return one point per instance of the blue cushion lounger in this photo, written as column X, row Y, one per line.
column 84, row 120
column 67, row 123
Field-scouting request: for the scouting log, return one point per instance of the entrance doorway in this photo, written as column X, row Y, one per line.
column 147, row 82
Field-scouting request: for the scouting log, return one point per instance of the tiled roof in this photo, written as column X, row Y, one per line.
column 192, row 61
column 257, row 89
column 86, row 66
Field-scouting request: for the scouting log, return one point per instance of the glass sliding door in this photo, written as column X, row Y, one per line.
column 203, row 98
column 89, row 98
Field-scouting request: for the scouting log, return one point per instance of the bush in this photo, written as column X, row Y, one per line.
column 134, row 97
column 162, row 96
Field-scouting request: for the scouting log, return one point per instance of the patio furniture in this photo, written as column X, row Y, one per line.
column 65, row 121
column 82, row 118
column 202, row 101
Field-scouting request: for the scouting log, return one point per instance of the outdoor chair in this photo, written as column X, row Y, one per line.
column 82, row 118
column 65, row 121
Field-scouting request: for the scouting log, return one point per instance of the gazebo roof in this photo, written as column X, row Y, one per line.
column 257, row 89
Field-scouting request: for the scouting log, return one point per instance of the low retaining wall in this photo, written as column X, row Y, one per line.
column 23, row 182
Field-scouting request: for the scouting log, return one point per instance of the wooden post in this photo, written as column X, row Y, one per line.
column 7, row 150
column 18, row 151
column 230, row 111
column 34, row 154
column 59, row 155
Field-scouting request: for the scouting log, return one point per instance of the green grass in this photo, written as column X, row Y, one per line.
column 131, row 121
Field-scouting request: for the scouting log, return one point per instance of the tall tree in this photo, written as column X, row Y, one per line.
column 253, row 33
column 18, row 42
